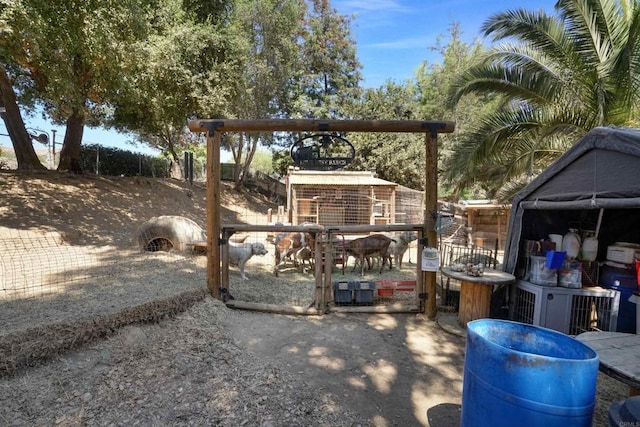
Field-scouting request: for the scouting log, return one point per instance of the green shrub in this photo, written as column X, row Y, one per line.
column 116, row 162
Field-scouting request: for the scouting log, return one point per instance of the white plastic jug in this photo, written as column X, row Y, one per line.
column 571, row 244
column 589, row 250
column 557, row 239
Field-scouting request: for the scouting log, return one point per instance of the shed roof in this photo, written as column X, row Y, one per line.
column 298, row 177
column 599, row 171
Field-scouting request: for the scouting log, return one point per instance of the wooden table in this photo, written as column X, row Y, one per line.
column 619, row 355
column 475, row 292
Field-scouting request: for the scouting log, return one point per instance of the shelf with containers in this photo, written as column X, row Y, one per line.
column 613, row 238
column 593, row 186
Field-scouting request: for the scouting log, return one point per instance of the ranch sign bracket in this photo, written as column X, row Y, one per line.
column 322, row 152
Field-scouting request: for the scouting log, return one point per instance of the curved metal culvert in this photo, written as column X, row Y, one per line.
column 159, row 244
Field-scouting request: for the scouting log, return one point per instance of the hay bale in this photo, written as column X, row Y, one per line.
column 33, row 346
column 166, row 232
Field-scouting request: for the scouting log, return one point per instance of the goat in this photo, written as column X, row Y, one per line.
column 287, row 245
column 373, row 245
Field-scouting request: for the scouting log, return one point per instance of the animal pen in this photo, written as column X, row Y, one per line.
column 325, row 236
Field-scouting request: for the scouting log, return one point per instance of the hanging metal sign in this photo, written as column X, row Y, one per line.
column 322, row 152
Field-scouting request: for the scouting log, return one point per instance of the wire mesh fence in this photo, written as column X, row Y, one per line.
column 39, row 263
column 305, row 268
column 44, row 279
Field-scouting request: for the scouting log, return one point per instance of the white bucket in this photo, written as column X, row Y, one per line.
column 589, row 249
column 571, row 244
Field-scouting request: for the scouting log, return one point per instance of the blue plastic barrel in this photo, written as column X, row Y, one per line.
column 525, row 375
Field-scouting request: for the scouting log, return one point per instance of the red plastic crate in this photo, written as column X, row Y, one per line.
column 386, row 288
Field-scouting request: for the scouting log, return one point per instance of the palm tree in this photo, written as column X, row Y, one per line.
column 557, row 77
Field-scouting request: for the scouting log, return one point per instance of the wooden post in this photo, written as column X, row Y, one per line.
column 475, row 302
column 324, row 280
column 213, row 212
column 431, row 209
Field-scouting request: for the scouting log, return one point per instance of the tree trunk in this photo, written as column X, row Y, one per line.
column 237, row 158
column 22, row 146
column 252, row 147
column 176, row 170
column 70, row 159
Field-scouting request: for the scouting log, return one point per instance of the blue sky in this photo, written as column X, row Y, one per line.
column 393, row 38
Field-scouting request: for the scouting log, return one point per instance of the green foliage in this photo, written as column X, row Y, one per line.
column 263, row 162
column 67, row 56
column 330, row 68
column 282, row 161
column 434, row 82
column 397, row 157
column 556, row 77
column 116, row 162
column 267, row 33
column 183, row 69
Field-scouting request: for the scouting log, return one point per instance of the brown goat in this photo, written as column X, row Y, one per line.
column 373, row 245
column 288, row 245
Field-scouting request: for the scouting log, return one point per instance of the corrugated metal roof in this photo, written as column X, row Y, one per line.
column 335, row 178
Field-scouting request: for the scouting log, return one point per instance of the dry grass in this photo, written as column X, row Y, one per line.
column 75, row 362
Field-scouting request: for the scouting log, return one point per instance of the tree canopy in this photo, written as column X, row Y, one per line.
column 555, row 77
column 148, row 66
column 66, row 56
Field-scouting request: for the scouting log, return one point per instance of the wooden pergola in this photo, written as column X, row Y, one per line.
column 215, row 127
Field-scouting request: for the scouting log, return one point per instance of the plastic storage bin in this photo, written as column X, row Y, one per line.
column 570, row 275
column 343, row 293
column 541, row 274
column 363, row 292
column 625, row 281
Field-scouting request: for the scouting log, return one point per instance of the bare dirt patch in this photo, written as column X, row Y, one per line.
column 204, row 364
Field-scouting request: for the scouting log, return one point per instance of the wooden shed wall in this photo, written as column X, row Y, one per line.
column 488, row 224
column 341, row 205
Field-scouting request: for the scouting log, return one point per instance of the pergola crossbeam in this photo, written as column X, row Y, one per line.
column 302, row 125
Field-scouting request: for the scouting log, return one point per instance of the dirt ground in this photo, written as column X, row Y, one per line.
column 208, row 365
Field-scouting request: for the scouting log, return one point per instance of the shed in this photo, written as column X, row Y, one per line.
column 486, row 220
column 346, row 198
column 594, row 187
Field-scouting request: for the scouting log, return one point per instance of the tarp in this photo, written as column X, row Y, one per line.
column 600, row 171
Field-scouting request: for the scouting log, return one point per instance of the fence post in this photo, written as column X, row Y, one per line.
column 431, row 210
column 188, row 166
column 213, row 211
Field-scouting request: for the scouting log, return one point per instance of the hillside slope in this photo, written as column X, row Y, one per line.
column 89, row 209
